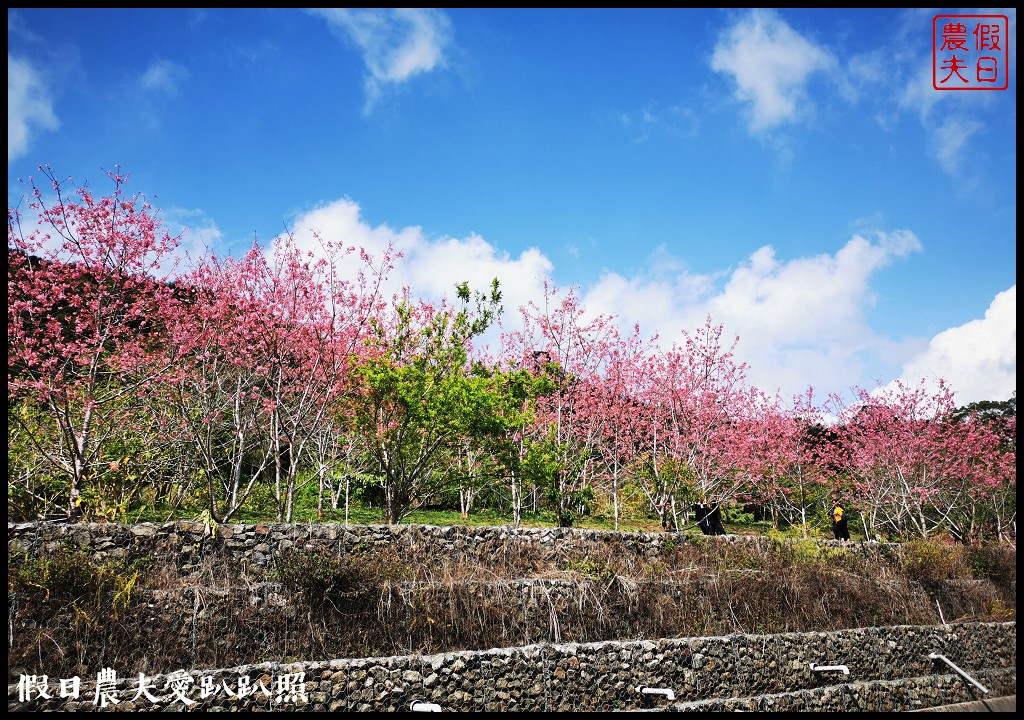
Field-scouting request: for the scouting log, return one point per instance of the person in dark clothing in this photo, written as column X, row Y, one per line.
column 709, row 518
column 700, row 513
column 715, row 520
column 839, row 528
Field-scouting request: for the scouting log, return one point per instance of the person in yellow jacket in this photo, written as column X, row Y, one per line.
column 839, row 528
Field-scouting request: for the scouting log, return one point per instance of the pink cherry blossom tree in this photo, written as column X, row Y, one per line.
column 315, row 323
column 87, row 296
column 623, row 415
column 701, row 397
column 915, row 470
column 265, row 355
column 791, row 459
column 569, row 349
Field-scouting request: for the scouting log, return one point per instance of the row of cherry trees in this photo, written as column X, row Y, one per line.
column 249, row 377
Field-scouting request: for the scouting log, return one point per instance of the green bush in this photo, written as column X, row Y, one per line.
column 69, row 578
column 591, row 568
column 931, row 561
column 993, row 561
column 330, row 578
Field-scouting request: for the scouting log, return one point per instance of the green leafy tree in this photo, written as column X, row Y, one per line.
column 418, row 399
column 513, row 394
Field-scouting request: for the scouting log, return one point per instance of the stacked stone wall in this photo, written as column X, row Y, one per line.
column 188, row 543
column 887, row 669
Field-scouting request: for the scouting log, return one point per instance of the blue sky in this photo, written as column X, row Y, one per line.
column 791, row 173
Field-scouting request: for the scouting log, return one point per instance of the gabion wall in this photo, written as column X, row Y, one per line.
column 188, row 543
column 872, row 669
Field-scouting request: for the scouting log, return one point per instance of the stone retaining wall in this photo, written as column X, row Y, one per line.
column 889, row 670
column 189, row 542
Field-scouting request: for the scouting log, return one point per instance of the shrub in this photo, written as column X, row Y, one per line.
column 590, row 568
column 329, row 578
column 929, row 561
column 993, row 561
column 70, row 578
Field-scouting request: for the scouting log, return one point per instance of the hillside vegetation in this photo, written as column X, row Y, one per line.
column 296, row 385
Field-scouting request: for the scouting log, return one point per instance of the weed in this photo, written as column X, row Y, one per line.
column 590, row 568
column 68, row 582
column 329, row 578
column 379, row 599
column 992, row 561
column 930, row 561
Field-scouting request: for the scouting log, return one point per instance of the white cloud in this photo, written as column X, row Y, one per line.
column 978, row 359
column 164, row 76
column 29, row 106
column 801, row 323
column 859, row 78
column 674, row 121
column 771, row 65
column 198, row 238
column 949, row 119
column 430, row 267
column 950, row 140
column 947, row 128
column 396, row 43
column 919, row 94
